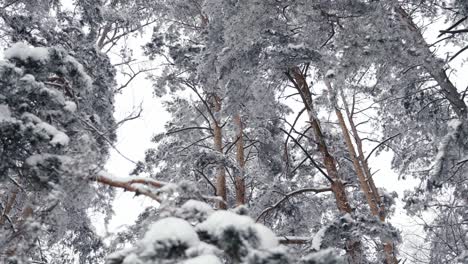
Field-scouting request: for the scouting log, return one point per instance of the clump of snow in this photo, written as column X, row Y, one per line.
column 79, row 67
column 173, row 230
column 330, row 73
column 34, row 160
column 454, row 124
column 205, row 259
column 121, row 254
column 266, row 236
column 38, row 159
column 169, row 188
column 347, row 218
column 57, row 136
column 317, row 239
column 326, row 256
column 70, row 106
column 132, row 258
column 202, row 249
column 296, row 46
column 194, row 211
column 55, row 95
column 28, row 117
column 29, row 78
column 5, row 114
column 222, row 220
column 23, row 52
column 197, row 206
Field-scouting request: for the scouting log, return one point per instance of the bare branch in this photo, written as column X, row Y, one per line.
column 310, row 158
column 458, row 53
column 465, row 30
column 289, row 240
column 185, row 129
column 380, row 144
column 207, row 180
column 289, row 195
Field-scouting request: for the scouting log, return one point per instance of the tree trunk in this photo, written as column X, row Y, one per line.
column 240, row 182
column 363, row 182
column 353, row 246
column 218, row 145
column 9, row 205
column 362, row 159
column 435, row 68
column 363, row 173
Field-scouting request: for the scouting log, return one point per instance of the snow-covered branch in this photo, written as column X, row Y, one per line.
column 143, row 186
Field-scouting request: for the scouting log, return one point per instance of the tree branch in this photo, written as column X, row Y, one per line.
column 129, row 185
column 310, row 158
column 442, row 32
column 288, row 240
column 380, row 144
column 290, row 194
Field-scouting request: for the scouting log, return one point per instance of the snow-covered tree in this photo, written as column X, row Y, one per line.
column 195, row 233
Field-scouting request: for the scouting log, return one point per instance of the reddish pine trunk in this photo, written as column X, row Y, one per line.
column 353, row 246
column 218, row 145
column 364, row 175
column 240, row 183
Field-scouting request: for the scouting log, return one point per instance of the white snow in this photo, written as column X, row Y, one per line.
column 31, row 118
column 221, row 220
column 55, row 94
column 348, row 218
column 5, row 114
column 28, row 78
column 267, row 237
column 169, row 188
column 454, row 124
column 328, row 255
column 205, row 259
column 171, row 229
column 58, row 137
column 131, row 259
column 330, row 73
column 23, row 52
column 88, row 81
column 453, row 131
column 197, row 206
column 37, row 159
column 202, row 249
column 317, row 239
column 296, row 46
column 70, row 106
column 34, row 160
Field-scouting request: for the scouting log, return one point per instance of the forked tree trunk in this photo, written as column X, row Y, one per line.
column 240, row 182
column 362, row 171
column 218, row 145
column 388, row 245
column 370, row 197
column 362, row 159
column 353, row 246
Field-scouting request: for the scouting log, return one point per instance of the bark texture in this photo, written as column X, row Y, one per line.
column 240, row 182
column 434, row 66
column 337, row 186
column 362, row 171
column 218, row 146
